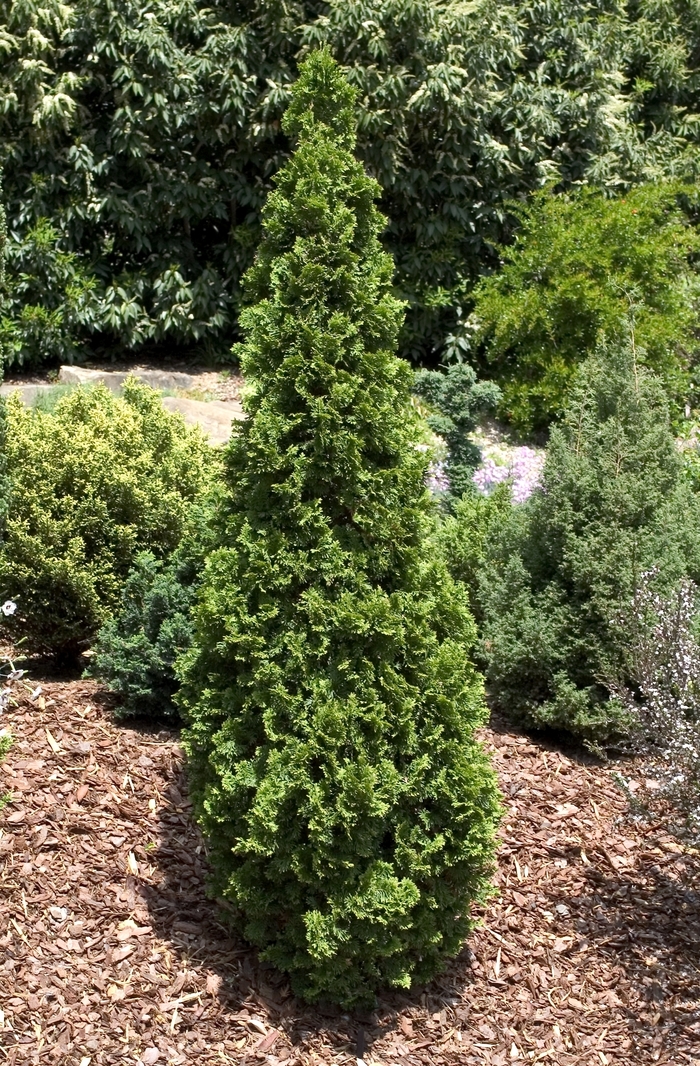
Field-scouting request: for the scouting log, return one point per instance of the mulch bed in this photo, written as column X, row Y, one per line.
column 111, row 952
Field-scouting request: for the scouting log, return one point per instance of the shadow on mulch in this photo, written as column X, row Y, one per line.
column 547, row 739
column 196, row 929
column 647, row 921
column 644, row 921
column 43, row 669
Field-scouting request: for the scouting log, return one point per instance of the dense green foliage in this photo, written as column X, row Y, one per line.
column 615, row 502
column 92, row 484
column 3, row 253
column 466, row 535
column 50, row 304
column 136, row 650
column 3, row 242
column 578, row 265
column 4, row 483
column 457, row 401
column 145, row 135
column 330, row 698
column 4, row 472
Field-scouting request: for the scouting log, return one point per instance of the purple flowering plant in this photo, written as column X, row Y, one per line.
column 522, row 466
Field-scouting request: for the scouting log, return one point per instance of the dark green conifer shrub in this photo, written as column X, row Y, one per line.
column 458, row 401
column 93, row 483
column 330, row 700
column 136, row 650
column 579, row 262
column 615, row 502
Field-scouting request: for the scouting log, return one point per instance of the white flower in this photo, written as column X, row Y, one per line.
column 8, row 607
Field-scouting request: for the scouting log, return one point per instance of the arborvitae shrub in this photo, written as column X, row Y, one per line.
column 136, row 651
column 615, row 502
column 93, row 483
column 330, row 698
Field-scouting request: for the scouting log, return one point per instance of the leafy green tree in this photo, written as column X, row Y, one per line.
column 330, row 701
column 93, row 483
column 579, row 264
column 663, row 76
column 147, row 133
column 51, row 302
column 615, row 502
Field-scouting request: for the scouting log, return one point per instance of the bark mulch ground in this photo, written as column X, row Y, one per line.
column 111, row 952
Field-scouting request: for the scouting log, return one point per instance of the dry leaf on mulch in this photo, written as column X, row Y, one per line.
column 113, row 954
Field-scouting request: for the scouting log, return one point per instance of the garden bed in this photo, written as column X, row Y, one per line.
column 589, row 954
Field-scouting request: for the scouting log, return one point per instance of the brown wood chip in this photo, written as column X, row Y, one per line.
column 112, row 953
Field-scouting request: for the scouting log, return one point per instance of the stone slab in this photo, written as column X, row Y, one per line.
column 215, row 418
column 29, row 394
column 114, row 379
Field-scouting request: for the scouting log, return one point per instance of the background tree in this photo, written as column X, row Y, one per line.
column 579, row 264
column 145, row 136
column 330, row 699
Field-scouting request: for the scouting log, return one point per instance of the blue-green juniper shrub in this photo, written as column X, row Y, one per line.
column 458, row 400
column 136, row 650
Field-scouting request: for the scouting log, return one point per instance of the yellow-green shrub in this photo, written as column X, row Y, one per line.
column 93, row 483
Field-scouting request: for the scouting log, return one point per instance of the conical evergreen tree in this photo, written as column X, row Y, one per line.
column 330, row 699
column 615, row 502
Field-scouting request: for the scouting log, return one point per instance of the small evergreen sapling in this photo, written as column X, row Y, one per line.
column 458, row 401
column 331, row 703
column 614, row 503
column 136, row 650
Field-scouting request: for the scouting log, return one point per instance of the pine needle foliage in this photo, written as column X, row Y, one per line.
column 615, row 502
column 331, row 704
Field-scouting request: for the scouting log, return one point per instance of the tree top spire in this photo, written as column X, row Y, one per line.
column 321, row 96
